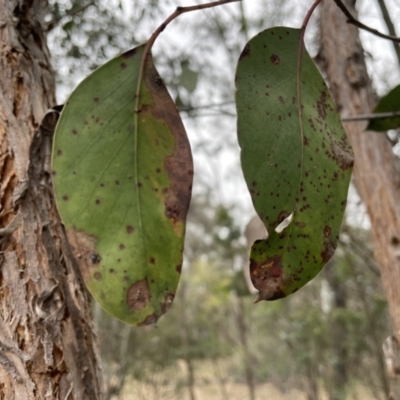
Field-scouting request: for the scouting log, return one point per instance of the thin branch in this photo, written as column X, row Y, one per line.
column 154, row 36
column 390, row 26
column 363, row 117
column 189, row 107
column 356, row 22
column 76, row 10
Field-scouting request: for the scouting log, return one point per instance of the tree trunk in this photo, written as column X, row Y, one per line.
column 376, row 169
column 47, row 345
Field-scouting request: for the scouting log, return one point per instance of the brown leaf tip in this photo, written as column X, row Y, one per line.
column 269, row 296
column 267, row 277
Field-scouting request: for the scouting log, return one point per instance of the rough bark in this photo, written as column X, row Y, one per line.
column 47, row 345
column 376, row 170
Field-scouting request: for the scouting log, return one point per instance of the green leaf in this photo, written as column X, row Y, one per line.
column 296, row 160
column 188, row 78
column 388, row 103
column 122, row 182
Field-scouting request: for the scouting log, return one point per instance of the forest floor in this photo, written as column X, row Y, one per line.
column 211, row 384
column 233, row 391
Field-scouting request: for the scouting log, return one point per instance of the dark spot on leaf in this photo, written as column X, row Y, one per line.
column 254, row 183
column 129, row 53
column 158, row 170
column 96, row 99
column 111, row 270
column 123, row 65
column 125, row 278
column 138, row 295
column 122, row 246
column 129, row 229
column 65, row 197
column 118, row 260
column 342, row 156
column 280, row 98
column 172, row 212
column 101, row 184
column 245, row 52
column 282, row 215
column 74, row 131
column 275, row 59
column 329, row 245
column 95, row 258
column 98, row 276
column 179, row 268
column 152, row 260
column 97, row 201
column 117, row 183
column 59, row 152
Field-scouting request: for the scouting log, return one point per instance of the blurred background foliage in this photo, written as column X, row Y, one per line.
column 325, row 341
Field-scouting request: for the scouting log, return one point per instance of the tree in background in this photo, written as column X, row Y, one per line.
column 47, row 342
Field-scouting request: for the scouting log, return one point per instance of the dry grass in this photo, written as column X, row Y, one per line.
column 171, row 385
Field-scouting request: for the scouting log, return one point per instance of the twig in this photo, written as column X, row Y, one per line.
column 154, row 36
column 189, row 107
column 356, row 22
column 52, row 24
column 390, row 26
column 362, row 117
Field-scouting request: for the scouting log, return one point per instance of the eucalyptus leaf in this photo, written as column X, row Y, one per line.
column 388, row 103
column 296, row 159
column 122, row 182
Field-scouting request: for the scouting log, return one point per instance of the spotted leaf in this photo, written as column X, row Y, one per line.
column 122, row 181
column 296, row 159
